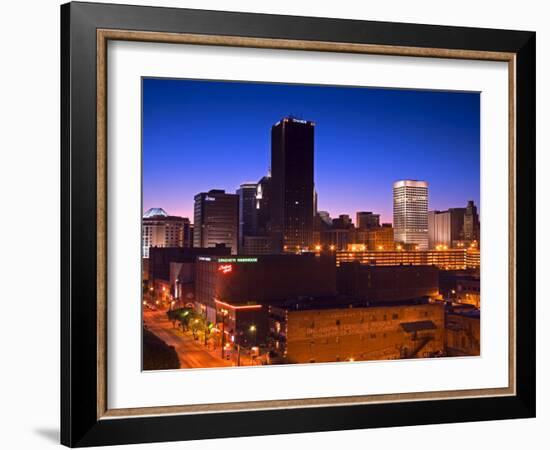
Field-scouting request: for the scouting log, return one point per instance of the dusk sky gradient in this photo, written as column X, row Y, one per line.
column 202, row 135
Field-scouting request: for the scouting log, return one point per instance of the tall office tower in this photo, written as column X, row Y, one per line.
column 161, row 230
column 444, row 227
column 410, row 213
column 292, row 209
column 471, row 223
column 315, row 201
column 263, row 205
column 216, row 220
column 247, row 211
column 366, row 219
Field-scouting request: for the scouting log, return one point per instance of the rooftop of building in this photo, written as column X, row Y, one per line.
column 341, row 302
column 259, row 258
column 155, row 212
column 410, row 183
column 375, row 268
column 189, row 252
column 459, row 275
column 465, row 310
column 293, row 119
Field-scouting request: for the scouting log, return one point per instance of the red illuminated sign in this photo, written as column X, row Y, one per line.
column 225, row 268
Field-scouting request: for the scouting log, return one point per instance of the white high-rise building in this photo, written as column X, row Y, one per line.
column 161, row 230
column 410, row 213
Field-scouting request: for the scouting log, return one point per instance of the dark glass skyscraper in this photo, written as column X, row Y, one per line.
column 263, row 205
column 292, row 189
column 471, row 222
column 247, row 211
column 216, row 219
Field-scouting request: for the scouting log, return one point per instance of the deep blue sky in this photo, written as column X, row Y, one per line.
column 201, row 135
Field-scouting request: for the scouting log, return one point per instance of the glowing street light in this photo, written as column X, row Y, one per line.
column 253, row 330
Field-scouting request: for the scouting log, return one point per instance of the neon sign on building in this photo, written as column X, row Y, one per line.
column 225, row 268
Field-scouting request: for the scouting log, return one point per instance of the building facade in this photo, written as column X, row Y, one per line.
column 161, row 257
column 263, row 205
column 358, row 334
column 381, row 238
column 161, row 230
column 463, row 334
column 366, row 219
column 451, row 259
column 247, row 211
column 471, row 223
column 445, row 227
column 216, row 220
column 292, row 185
column 256, row 245
column 410, row 213
column 387, row 283
column 242, row 281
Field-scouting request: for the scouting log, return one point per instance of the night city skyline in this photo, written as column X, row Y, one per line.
column 244, row 268
column 365, row 139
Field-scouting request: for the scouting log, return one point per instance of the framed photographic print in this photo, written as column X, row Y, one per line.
column 277, row 224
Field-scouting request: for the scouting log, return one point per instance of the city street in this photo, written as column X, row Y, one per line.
column 191, row 353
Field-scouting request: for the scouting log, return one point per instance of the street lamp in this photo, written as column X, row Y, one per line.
column 254, row 348
column 253, row 330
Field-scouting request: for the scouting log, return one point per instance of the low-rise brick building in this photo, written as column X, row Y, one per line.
column 414, row 329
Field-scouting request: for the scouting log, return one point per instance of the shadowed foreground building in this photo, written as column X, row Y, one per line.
column 156, row 354
column 260, row 280
column 378, row 284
